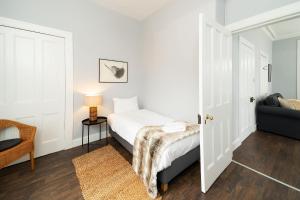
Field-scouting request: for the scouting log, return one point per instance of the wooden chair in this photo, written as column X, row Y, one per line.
column 27, row 134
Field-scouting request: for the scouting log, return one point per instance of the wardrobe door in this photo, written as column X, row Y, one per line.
column 32, row 83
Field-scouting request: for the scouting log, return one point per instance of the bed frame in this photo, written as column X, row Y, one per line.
column 177, row 166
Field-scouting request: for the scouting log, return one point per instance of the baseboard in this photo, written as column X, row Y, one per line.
column 76, row 142
column 236, row 143
column 93, row 137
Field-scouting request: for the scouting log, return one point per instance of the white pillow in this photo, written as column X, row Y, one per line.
column 125, row 105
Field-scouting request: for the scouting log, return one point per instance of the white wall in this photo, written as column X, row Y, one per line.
column 97, row 33
column 261, row 42
column 236, row 10
column 220, row 11
column 284, row 73
column 167, row 42
column 171, row 58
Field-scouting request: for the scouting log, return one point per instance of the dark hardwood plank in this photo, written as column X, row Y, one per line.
column 236, row 182
column 55, row 178
column 273, row 155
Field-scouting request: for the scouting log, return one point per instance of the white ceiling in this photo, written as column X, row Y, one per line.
column 283, row 30
column 137, row 9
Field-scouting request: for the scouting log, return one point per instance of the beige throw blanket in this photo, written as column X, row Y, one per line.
column 293, row 104
column 149, row 144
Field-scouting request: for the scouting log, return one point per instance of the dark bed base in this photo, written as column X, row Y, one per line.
column 177, row 166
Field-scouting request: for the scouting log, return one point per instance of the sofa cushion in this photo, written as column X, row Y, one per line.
column 272, row 100
column 7, row 144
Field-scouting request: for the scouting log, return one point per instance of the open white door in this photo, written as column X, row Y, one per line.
column 215, row 90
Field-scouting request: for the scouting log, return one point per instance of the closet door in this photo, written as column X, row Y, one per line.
column 32, row 70
column 246, row 88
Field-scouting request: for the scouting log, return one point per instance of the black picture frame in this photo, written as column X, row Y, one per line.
column 117, row 64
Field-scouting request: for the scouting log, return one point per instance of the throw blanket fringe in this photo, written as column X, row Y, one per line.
column 149, row 145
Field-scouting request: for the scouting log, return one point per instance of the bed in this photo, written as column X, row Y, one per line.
column 177, row 157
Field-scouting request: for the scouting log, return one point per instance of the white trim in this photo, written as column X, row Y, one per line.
column 274, row 37
column 252, row 129
column 275, row 15
column 298, row 69
column 269, row 33
column 269, row 177
column 69, row 66
column 272, row 31
column 235, row 91
column 245, row 41
column 93, row 137
column 236, row 143
column 287, row 36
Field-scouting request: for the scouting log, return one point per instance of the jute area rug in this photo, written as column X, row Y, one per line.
column 104, row 174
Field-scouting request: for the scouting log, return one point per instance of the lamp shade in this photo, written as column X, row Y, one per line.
column 93, row 100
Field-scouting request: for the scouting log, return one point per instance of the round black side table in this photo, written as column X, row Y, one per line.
column 88, row 123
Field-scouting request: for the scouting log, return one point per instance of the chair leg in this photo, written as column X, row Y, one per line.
column 32, row 160
column 164, row 187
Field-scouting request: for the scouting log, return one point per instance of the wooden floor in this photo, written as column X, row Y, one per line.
column 55, row 178
column 273, row 155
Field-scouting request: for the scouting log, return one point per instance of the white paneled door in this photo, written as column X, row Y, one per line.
column 215, row 85
column 32, row 83
column 246, row 88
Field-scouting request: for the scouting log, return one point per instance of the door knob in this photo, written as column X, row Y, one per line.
column 252, row 99
column 208, row 117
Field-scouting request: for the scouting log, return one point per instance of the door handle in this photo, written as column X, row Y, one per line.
column 208, row 117
column 252, row 99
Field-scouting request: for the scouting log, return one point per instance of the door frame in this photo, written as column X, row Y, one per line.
column 298, row 69
column 68, row 36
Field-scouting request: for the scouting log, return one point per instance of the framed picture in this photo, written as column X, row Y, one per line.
column 112, row 71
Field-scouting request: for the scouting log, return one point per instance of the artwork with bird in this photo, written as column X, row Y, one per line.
column 117, row 72
column 112, row 71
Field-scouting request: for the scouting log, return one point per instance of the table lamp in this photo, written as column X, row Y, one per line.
column 93, row 101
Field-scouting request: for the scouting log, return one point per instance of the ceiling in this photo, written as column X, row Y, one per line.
column 283, row 30
column 137, row 9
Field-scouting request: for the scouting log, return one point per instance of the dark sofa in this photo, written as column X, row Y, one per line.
column 270, row 117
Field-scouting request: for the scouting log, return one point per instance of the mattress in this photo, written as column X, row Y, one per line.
column 128, row 124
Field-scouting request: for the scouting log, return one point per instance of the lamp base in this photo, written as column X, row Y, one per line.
column 93, row 113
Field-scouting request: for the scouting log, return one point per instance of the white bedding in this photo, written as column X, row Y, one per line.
column 128, row 124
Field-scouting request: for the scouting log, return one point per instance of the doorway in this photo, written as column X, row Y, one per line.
column 272, row 148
